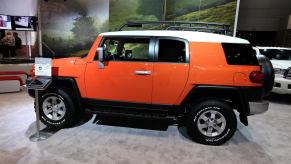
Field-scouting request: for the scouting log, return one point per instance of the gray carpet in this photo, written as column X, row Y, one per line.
column 266, row 140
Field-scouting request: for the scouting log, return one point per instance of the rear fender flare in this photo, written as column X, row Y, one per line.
column 235, row 94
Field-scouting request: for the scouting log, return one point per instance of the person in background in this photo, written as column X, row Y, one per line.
column 8, row 43
column 18, row 44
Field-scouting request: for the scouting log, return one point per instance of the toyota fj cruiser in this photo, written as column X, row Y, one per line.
column 198, row 77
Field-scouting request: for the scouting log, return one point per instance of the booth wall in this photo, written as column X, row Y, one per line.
column 19, row 7
column 22, row 8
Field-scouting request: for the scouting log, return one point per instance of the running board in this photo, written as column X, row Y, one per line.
column 131, row 113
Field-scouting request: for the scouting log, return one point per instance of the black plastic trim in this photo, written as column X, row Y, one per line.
column 109, row 103
column 204, row 88
column 57, row 81
column 243, row 95
column 75, row 89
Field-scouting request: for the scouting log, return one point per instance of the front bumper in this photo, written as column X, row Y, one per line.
column 282, row 85
column 258, row 107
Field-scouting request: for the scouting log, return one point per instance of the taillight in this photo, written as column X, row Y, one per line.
column 257, row 77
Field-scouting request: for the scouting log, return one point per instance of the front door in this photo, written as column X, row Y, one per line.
column 127, row 75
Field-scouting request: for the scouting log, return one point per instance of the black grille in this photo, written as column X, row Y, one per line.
column 287, row 73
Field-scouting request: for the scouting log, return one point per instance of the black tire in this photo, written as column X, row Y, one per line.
column 203, row 109
column 269, row 76
column 69, row 117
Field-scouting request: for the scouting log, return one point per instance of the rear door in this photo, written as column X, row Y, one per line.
column 171, row 68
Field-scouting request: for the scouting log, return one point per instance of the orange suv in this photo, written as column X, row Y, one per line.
column 198, row 77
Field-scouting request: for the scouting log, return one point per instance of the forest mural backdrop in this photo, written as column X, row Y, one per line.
column 121, row 11
column 70, row 27
column 220, row 11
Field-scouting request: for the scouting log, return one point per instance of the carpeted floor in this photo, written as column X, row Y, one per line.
column 266, row 140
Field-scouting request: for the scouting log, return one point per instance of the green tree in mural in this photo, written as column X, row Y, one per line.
column 151, row 7
column 84, row 29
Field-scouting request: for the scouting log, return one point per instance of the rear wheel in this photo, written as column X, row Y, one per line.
column 211, row 122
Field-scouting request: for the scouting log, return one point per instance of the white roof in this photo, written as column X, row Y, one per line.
column 278, row 48
column 191, row 36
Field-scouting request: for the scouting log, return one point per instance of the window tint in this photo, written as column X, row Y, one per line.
column 276, row 54
column 172, row 51
column 239, row 54
column 126, row 49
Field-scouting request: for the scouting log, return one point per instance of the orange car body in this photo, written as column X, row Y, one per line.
column 168, row 83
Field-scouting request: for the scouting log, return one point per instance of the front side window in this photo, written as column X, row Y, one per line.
column 126, row 49
column 172, row 51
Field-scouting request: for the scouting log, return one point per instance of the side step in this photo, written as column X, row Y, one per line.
column 121, row 112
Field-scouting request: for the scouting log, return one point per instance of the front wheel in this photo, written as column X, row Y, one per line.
column 211, row 122
column 57, row 109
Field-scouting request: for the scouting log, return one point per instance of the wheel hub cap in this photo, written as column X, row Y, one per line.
column 211, row 123
column 54, row 108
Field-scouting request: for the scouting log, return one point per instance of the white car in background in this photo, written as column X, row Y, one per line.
column 281, row 61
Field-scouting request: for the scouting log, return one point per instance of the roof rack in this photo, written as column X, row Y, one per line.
column 220, row 28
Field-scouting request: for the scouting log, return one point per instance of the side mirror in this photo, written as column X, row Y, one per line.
column 100, row 52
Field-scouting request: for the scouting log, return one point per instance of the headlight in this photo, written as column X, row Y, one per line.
column 287, row 74
column 279, row 71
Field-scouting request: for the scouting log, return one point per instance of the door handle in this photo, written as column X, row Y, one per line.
column 143, row 72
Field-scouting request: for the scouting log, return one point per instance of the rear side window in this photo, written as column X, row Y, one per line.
column 239, row 54
column 172, row 51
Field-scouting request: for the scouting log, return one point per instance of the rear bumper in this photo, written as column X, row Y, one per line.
column 258, row 107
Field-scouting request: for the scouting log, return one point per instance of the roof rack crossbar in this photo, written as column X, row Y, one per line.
column 182, row 28
column 181, row 25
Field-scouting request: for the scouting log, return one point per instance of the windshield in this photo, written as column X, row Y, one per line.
column 276, row 54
